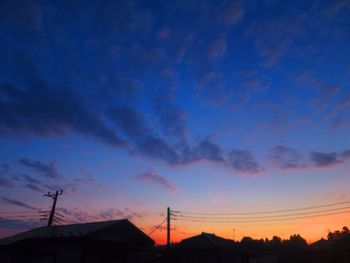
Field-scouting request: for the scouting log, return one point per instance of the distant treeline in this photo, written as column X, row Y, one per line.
column 294, row 242
column 334, row 249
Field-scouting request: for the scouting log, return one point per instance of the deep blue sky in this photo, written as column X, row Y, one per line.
column 131, row 105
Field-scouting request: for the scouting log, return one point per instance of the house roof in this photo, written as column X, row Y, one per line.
column 207, row 241
column 121, row 231
column 322, row 244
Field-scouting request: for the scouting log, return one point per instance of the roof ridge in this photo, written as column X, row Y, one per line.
column 86, row 223
column 78, row 229
column 207, row 236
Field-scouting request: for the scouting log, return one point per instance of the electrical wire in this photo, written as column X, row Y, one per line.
column 19, row 221
column 62, row 220
column 259, row 221
column 265, row 212
column 57, row 213
column 18, row 215
column 18, row 212
column 157, row 227
column 264, row 217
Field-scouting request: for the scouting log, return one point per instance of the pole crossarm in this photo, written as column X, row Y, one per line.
column 54, row 196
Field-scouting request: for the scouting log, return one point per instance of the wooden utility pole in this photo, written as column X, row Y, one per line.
column 168, row 228
column 54, row 196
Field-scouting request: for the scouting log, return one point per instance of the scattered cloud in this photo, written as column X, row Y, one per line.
column 152, row 177
column 145, row 142
column 130, row 121
column 65, row 109
column 232, row 12
column 209, row 151
column 87, row 176
column 217, row 48
column 47, row 170
column 108, row 105
column 274, row 39
column 29, row 179
column 164, row 32
column 344, row 103
column 336, row 7
column 345, row 154
column 80, row 216
column 158, row 148
column 4, row 169
column 142, row 137
column 17, row 203
column 290, row 158
column 171, row 118
column 6, row 183
column 286, row 158
column 34, row 187
column 243, row 161
column 113, row 213
column 321, row 159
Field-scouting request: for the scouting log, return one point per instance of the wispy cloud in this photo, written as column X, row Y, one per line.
column 29, row 179
column 48, row 170
column 17, row 203
column 5, row 177
column 290, row 158
column 243, row 161
column 24, row 115
column 217, row 48
column 172, row 119
column 34, row 187
column 81, row 216
column 321, row 159
column 152, row 177
column 286, row 157
column 6, row 183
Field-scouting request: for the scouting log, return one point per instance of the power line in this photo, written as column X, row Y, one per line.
column 65, row 216
column 158, row 226
column 262, row 220
column 265, row 212
column 18, row 212
column 61, row 220
column 16, row 217
column 263, row 217
column 18, row 220
column 59, row 214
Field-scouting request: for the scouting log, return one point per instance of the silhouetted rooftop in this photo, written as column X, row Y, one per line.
column 322, row 244
column 121, row 231
column 207, row 241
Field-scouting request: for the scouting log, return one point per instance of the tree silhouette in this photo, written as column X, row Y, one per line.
column 295, row 242
column 337, row 234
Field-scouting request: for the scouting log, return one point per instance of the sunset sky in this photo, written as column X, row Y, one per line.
column 202, row 106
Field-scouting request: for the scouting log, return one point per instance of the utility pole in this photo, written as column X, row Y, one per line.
column 54, row 196
column 168, row 228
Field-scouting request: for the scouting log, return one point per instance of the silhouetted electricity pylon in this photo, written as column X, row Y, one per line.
column 54, row 196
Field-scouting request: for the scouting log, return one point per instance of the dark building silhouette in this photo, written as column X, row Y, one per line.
column 331, row 250
column 207, row 248
column 108, row 241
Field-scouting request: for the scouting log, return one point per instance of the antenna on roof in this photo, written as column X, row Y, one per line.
column 54, row 196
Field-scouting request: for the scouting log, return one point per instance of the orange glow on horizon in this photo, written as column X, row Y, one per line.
column 311, row 229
